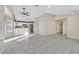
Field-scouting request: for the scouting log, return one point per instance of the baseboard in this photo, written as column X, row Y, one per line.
column 72, row 37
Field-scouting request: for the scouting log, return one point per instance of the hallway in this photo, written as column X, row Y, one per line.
column 46, row 44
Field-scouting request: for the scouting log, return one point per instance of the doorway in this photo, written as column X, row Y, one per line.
column 61, row 27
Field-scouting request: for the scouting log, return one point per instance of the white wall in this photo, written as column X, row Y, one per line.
column 73, row 26
column 1, row 22
column 65, row 26
column 8, row 11
column 1, row 27
column 36, row 26
column 9, row 20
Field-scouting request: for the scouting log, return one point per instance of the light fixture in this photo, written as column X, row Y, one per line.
column 74, row 12
column 24, row 12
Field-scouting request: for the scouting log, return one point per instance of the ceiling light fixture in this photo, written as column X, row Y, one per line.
column 74, row 12
column 24, row 12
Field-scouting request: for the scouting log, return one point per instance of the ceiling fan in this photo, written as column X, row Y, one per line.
column 24, row 13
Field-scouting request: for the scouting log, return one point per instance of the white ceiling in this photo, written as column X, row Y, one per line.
column 41, row 9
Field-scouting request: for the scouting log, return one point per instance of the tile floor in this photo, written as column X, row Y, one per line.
column 47, row 44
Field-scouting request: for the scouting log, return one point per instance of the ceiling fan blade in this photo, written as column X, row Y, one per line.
column 20, row 12
column 28, row 15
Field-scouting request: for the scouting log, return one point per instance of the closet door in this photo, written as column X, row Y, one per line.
column 51, row 27
column 42, row 27
column 50, row 23
column 47, row 27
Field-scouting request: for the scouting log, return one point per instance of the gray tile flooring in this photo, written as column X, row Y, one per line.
column 48, row 44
